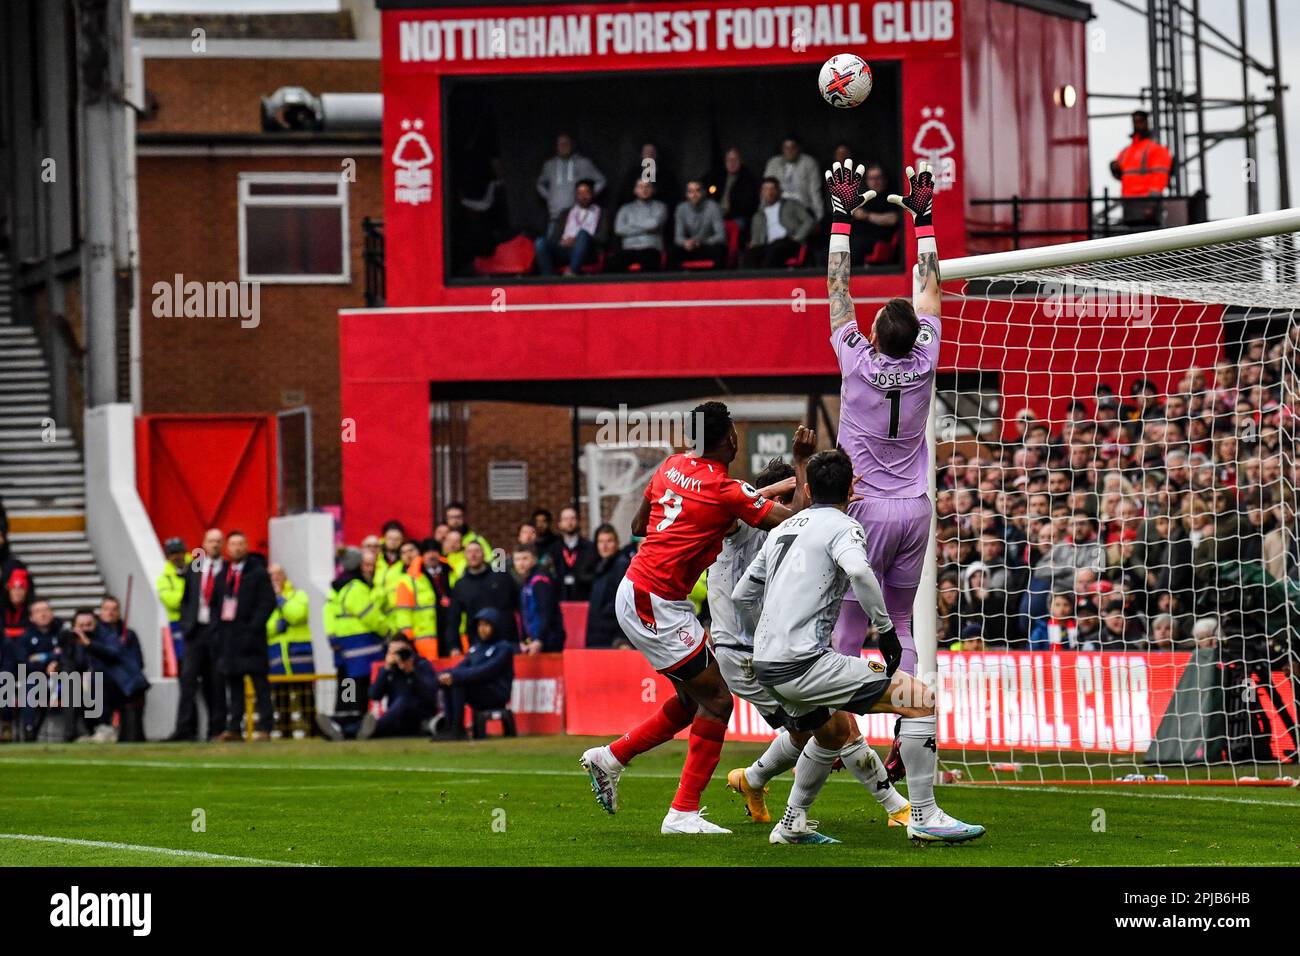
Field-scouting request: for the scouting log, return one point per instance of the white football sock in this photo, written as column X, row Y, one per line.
column 780, row 755
column 865, row 764
column 920, row 753
column 811, row 772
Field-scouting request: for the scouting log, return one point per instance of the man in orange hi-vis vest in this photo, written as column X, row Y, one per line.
column 1142, row 167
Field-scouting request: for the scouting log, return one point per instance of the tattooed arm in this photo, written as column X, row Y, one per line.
column 927, row 293
column 837, row 288
column 845, row 184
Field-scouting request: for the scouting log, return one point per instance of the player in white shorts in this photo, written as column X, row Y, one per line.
column 799, row 578
column 734, row 648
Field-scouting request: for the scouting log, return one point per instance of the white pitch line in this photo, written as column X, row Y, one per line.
column 138, row 848
column 1118, row 789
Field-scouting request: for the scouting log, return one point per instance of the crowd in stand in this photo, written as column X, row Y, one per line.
column 648, row 221
column 1149, row 522
column 88, row 670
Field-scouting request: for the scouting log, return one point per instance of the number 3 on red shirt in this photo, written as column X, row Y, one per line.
column 672, row 504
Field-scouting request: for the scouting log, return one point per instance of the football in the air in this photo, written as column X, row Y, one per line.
column 845, row 80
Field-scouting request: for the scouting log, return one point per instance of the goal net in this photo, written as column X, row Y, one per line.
column 1117, row 543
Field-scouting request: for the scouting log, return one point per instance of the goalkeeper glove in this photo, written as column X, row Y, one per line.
column 845, row 185
column 891, row 648
column 919, row 200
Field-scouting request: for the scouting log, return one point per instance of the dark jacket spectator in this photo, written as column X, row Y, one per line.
column 480, row 588
column 574, row 559
column 539, row 605
column 116, row 651
column 244, row 602
column 243, row 637
column 483, row 679
column 735, row 187
column 409, row 685
column 603, row 629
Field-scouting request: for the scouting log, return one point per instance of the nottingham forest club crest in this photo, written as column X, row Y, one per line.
column 412, row 159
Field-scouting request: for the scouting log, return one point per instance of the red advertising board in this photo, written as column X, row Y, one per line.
column 1104, row 703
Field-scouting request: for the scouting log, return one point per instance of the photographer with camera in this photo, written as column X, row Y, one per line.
column 410, row 687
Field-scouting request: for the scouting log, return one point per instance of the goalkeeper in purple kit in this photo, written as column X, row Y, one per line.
column 888, row 370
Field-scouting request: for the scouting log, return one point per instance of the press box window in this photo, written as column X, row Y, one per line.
column 293, row 227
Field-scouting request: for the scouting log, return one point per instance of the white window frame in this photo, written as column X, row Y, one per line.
column 339, row 200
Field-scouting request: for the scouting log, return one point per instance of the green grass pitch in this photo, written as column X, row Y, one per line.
column 527, row 802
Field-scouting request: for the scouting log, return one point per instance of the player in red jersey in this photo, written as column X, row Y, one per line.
column 690, row 505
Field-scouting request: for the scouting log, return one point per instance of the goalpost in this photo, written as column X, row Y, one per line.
column 1119, row 596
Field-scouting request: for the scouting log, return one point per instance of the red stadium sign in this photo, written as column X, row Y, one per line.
column 667, row 36
column 1101, row 703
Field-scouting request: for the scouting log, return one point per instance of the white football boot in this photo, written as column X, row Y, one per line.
column 796, row 828
column 690, row 821
column 603, row 769
column 938, row 827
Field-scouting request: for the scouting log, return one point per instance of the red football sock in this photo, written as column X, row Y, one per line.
column 664, row 724
column 703, row 750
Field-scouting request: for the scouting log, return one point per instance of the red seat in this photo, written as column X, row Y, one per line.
column 794, row 262
column 733, row 242
column 663, row 263
column 884, row 252
column 514, row 257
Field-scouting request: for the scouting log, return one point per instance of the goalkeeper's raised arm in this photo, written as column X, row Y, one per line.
column 847, row 193
column 927, row 296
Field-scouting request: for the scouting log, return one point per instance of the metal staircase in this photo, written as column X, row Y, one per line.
column 42, row 476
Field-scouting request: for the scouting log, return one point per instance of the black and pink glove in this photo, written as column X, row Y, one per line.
column 919, row 200
column 845, row 184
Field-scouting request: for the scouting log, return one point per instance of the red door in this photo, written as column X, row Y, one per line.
column 196, row 472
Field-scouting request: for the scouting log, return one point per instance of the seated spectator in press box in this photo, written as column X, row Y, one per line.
column 561, row 176
column 875, row 223
column 652, row 167
column 539, row 604
column 800, row 177
column 603, row 629
column 572, row 557
column 408, row 685
column 576, row 237
column 735, row 188
column 698, row 231
column 778, row 229
column 483, row 680
column 639, row 226
column 114, row 650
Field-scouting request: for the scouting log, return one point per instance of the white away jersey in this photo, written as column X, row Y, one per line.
column 802, row 582
column 738, row 552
